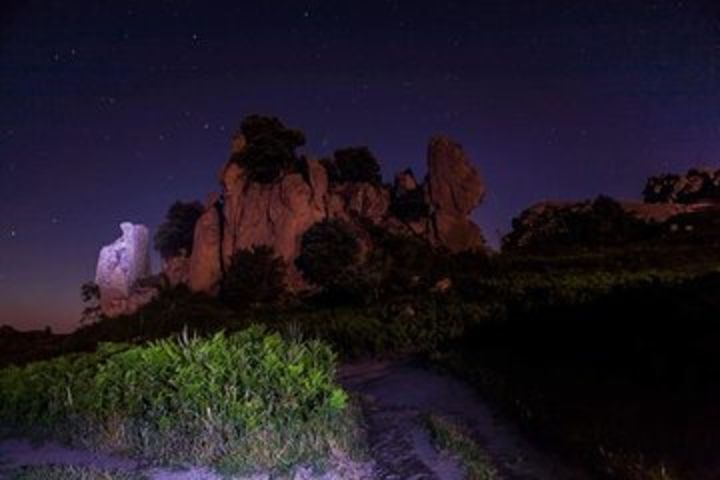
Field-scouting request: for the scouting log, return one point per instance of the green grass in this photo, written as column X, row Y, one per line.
column 451, row 438
column 246, row 401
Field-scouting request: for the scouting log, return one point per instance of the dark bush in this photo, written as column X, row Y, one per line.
column 175, row 235
column 270, row 148
column 255, row 276
column 410, row 206
column 328, row 253
column 355, row 164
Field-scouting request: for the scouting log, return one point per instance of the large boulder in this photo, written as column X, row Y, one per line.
column 454, row 184
column 120, row 265
column 205, row 266
column 454, row 189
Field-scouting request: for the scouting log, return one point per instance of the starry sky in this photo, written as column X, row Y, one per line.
column 109, row 111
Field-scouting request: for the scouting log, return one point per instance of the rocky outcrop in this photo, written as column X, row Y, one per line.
column 205, row 269
column 698, row 185
column 276, row 214
column 176, row 270
column 120, row 265
column 454, row 190
column 555, row 224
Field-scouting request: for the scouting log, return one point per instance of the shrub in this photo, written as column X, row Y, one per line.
column 410, row 206
column 90, row 294
column 355, row 164
column 255, row 276
column 249, row 399
column 328, row 253
column 171, row 311
column 175, row 235
column 270, row 148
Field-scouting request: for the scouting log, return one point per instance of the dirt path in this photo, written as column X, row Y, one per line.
column 399, row 393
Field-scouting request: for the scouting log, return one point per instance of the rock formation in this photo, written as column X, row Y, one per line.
column 247, row 213
column 120, row 265
column 695, row 186
column 673, row 203
column 454, row 190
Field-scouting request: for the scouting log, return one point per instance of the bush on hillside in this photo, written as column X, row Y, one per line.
column 175, row 235
column 270, row 148
column 246, row 400
column 410, row 206
column 353, row 165
column 328, row 253
column 255, row 276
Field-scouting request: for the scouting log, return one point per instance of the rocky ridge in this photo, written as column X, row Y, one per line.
column 245, row 213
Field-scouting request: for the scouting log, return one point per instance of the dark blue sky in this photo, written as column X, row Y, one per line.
column 109, row 111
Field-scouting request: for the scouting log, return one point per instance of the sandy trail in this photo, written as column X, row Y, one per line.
column 400, row 393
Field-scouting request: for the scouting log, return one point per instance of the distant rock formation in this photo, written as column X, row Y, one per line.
column 120, row 265
column 454, row 189
column 247, row 213
column 696, row 186
column 676, row 208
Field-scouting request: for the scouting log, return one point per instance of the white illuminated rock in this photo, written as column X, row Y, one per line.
column 120, row 265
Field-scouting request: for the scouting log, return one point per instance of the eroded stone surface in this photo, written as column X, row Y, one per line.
column 251, row 214
column 120, row 265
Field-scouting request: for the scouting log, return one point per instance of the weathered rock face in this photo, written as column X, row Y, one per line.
column 454, row 184
column 120, row 265
column 454, row 190
column 205, row 268
column 251, row 214
column 176, row 270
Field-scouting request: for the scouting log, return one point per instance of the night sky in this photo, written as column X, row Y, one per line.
column 109, row 111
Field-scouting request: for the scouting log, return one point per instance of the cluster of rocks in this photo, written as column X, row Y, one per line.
column 672, row 203
column 696, row 186
column 246, row 214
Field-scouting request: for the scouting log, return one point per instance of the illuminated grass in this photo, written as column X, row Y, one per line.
column 451, row 438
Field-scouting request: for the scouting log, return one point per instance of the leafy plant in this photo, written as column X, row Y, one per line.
column 255, row 276
column 246, row 400
column 270, row 148
column 354, row 164
column 174, row 236
column 328, row 253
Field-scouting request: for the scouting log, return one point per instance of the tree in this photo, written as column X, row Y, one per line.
column 328, row 253
column 357, row 164
column 409, row 206
column 255, row 276
column 90, row 293
column 174, row 236
column 270, row 148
